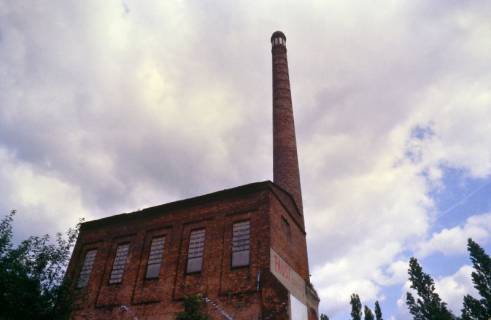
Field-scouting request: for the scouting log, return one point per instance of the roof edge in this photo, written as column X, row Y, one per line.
column 217, row 195
column 214, row 196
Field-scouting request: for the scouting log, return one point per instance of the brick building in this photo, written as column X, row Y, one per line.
column 243, row 249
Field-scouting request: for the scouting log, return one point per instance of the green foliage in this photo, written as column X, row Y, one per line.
column 368, row 314
column 324, row 317
column 427, row 305
column 355, row 307
column 478, row 309
column 193, row 306
column 31, row 275
column 378, row 311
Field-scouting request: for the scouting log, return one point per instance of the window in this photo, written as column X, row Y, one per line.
column 119, row 263
column 241, row 244
column 195, row 252
column 155, row 257
column 84, row 276
column 286, row 228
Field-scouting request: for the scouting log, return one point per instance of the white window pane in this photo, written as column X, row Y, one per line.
column 195, row 250
column 194, row 265
column 240, row 259
column 119, row 263
column 153, row 271
column 86, row 270
column 241, row 244
column 155, row 257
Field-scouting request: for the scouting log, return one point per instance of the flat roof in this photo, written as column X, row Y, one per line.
column 209, row 197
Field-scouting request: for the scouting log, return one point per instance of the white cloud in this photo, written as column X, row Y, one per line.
column 402, row 312
column 366, row 193
column 44, row 204
column 453, row 288
column 454, row 240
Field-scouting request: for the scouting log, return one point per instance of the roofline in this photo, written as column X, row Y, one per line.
column 214, row 196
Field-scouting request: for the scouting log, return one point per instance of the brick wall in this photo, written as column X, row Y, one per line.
column 234, row 289
column 286, row 172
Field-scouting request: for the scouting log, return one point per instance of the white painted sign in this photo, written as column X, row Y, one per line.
column 288, row 277
column 298, row 310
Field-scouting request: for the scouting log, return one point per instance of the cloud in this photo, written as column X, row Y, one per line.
column 40, row 200
column 98, row 111
column 451, row 289
column 370, row 194
column 402, row 310
column 454, row 240
column 118, row 105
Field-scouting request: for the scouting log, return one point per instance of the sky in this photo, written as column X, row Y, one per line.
column 114, row 106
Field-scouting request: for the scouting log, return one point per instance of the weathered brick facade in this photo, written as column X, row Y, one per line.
column 272, row 284
column 250, row 292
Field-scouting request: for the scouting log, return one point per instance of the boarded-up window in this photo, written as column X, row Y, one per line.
column 241, row 244
column 84, row 276
column 119, row 263
column 195, row 252
column 155, row 257
column 286, row 228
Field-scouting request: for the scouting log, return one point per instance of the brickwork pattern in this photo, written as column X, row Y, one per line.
column 286, row 172
column 244, row 292
column 253, row 292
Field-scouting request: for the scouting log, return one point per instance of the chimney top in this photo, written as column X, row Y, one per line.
column 286, row 173
column 278, row 34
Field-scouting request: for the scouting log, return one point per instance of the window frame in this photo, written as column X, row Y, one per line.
column 232, row 266
column 287, row 229
column 110, row 282
column 161, row 259
column 83, row 266
column 202, row 249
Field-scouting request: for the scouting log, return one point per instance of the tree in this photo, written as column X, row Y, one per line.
column 324, row 317
column 478, row 309
column 32, row 275
column 193, row 306
column 368, row 313
column 378, row 311
column 427, row 305
column 355, row 307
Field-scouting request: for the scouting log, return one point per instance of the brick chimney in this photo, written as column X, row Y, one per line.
column 286, row 173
